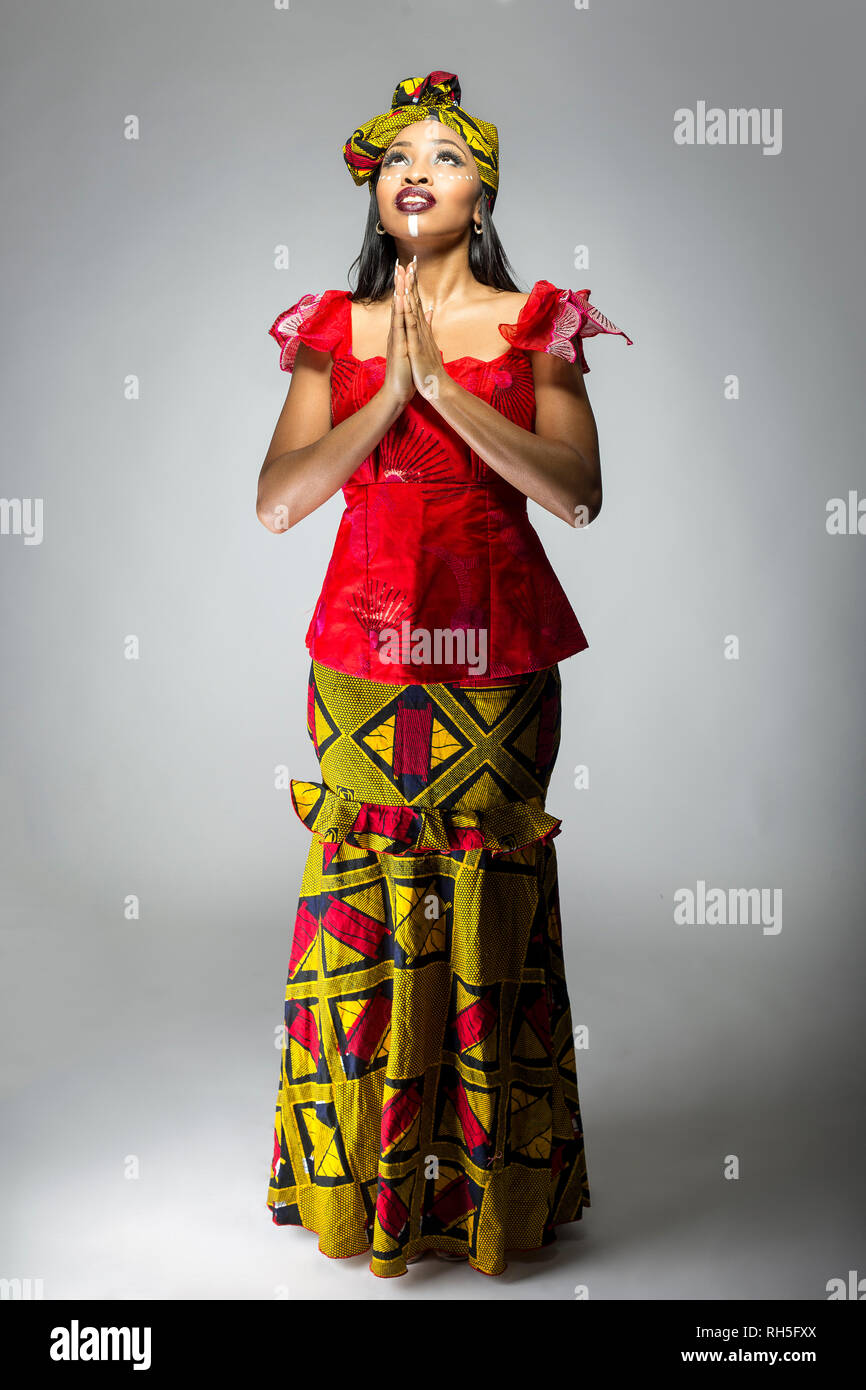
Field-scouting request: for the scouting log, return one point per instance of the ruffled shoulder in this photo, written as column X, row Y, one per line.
column 555, row 320
column 319, row 320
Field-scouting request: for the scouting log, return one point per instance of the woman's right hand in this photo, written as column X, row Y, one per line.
column 398, row 383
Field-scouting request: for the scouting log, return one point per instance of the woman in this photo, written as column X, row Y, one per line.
column 428, row 1093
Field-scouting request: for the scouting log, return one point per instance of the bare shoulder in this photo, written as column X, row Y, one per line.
column 370, row 308
column 365, row 307
column 370, row 318
column 505, row 305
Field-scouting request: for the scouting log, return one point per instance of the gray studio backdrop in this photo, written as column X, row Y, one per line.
column 718, row 708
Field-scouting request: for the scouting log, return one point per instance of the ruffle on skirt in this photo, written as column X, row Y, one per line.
column 411, row 830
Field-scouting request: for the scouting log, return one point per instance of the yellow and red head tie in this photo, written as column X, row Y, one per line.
column 414, row 99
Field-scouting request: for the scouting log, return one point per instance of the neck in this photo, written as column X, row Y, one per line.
column 443, row 272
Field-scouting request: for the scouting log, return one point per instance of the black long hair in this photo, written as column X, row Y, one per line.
column 375, row 261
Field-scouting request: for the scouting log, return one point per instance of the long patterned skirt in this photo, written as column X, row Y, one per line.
column 428, row 1089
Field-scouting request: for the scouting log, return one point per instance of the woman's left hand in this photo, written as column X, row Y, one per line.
column 424, row 353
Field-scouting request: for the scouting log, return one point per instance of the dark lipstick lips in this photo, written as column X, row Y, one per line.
column 422, row 197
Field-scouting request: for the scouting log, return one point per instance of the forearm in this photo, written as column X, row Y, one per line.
column 558, row 476
column 294, row 484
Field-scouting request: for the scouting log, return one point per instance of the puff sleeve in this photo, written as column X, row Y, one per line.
column 556, row 320
column 316, row 319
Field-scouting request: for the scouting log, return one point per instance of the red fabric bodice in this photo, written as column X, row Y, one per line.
column 432, row 540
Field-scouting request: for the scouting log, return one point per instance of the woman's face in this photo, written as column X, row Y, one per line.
column 432, row 161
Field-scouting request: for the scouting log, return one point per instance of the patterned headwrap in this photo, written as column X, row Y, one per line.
column 415, row 99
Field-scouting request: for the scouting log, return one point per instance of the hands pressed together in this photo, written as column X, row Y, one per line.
column 413, row 361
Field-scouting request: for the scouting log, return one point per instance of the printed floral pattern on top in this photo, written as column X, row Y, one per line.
column 431, row 535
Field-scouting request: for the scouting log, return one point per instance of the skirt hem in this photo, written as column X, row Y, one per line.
column 423, row 1248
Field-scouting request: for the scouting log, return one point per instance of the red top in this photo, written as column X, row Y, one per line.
column 437, row 573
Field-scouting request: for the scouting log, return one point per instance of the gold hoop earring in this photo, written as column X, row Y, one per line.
column 477, row 229
column 380, row 229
